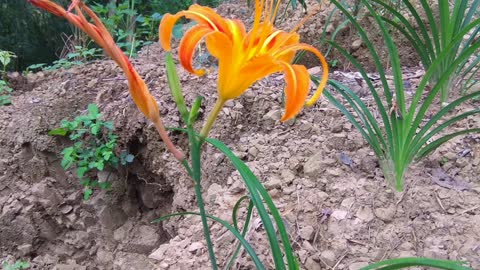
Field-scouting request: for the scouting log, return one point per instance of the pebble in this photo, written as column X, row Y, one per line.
column 274, row 182
column 253, row 151
column 194, row 247
column 311, row 264
column 329, row 257
column 335, row 171
column 287, row 176
column 357, row 265
column 356, row 44
column 339, row 214
column 385, row 214
column 65, row 209
column 365, row 213
column 307, row 233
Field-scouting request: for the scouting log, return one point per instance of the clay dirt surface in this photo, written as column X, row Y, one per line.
column 325, row 180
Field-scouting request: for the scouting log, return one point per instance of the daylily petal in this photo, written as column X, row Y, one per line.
column 237, row 30
column 165, row 29
column 188, row 44
column 204, row 16
column 323, row 82
column 140, row 94
column 233, row 85
column 219, row 46
column 49, row 6
column 297, row 85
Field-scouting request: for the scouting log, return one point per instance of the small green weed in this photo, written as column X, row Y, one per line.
column 16, row 266
column 5, row 91
column 93, row 148
column 77, row 57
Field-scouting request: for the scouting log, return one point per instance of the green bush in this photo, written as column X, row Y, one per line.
column 93, row 148
column 433, row 37
column 402, row 133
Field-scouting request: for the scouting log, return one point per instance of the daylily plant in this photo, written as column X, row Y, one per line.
column 246, row 57
column 98, row 32
column 243, row 58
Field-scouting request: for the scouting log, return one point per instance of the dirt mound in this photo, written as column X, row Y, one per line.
column 322, row 175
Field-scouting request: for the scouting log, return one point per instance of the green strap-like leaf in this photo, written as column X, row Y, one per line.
column 229, row 227
column 257, row 193
column 380, row 106
column 420, row 139
column 245, row 226
column 409, row 262
column 374, row 138
column 435, row 144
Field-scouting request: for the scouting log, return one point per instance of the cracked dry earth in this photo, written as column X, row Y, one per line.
column 323, row 177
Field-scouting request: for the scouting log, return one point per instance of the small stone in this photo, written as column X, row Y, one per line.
column 335, row 171
column 143, row 239
column 106, row 176
column 314, row 165
column 289, row 190
column 311, row 264
column 274, row 193
column 194, row 247
column 328, row 257
column 337, row 127
column 213, row 191
column 104, row 256
column 92, row 83
column 347, row 203
column 339, row 214
column 308, row 247
column 307, row 233
column 385, row 214
column 462, row 162
column 356, row 44
column 274, row 115
column 111, row 217
column 287, row 176
column 46, row 195
column 65, row 209
column 159, row 253
column 125, row 260
column 273, row 183
column 321, row 196
column 357, row 265
column 24, row 249
column 302, row 255
column 365, row 213
column 253, row 151
column 71, row 266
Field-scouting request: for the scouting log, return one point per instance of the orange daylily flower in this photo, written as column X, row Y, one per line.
column 245, row 58
column 98, row 32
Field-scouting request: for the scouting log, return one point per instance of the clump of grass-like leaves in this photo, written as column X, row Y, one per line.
column 402, row 133
column 431, row 37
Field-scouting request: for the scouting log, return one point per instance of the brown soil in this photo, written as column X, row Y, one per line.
column 324, row 178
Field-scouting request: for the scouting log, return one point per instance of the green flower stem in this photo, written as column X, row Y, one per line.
column 211, row 118
column 196, row 173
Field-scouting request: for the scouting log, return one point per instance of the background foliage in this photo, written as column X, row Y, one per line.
column 39, row 37
column 34, row 36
